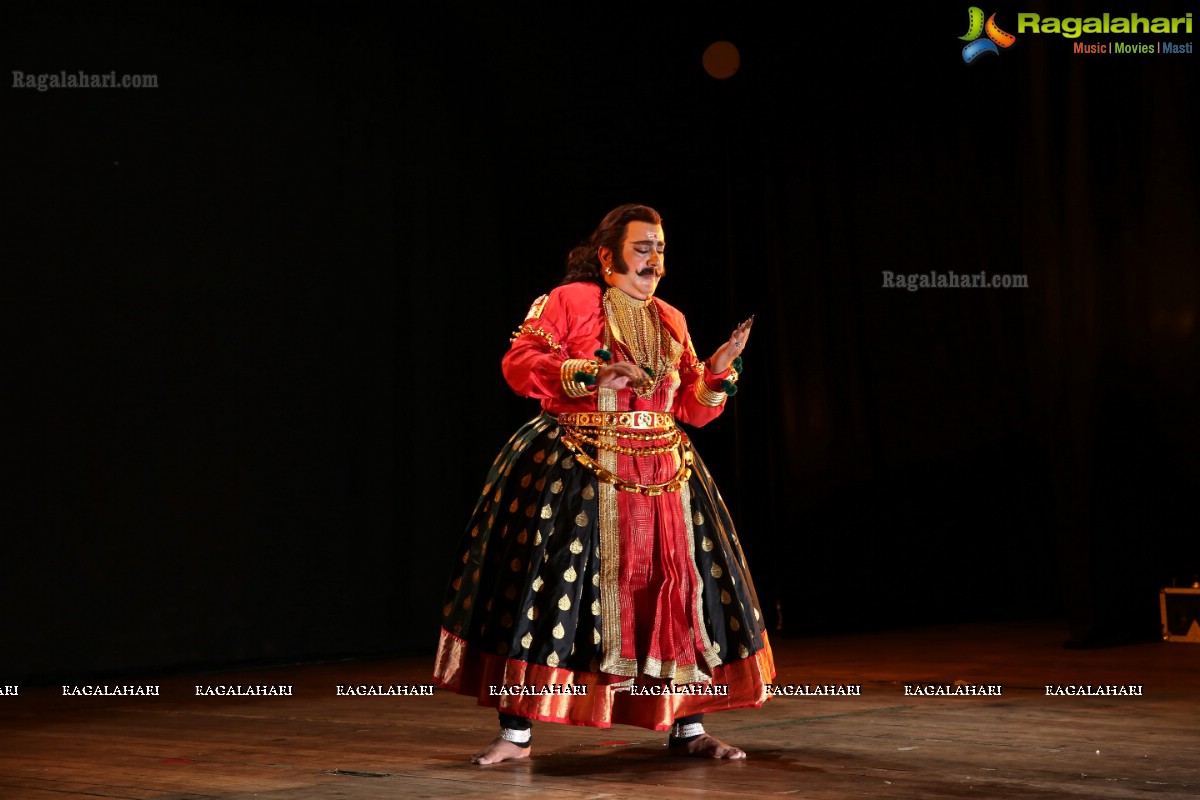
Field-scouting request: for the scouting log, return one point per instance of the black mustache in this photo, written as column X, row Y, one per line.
column 648, row 271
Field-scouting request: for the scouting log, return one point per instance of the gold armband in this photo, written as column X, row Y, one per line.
column 527, row 330
column 569, row 372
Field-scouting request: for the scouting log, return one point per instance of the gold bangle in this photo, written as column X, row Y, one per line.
column 566, row 374
column 707, row 396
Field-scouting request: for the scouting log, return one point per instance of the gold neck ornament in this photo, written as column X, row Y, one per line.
column 641, row 330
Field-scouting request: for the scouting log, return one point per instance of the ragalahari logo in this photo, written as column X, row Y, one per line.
column 976, row 27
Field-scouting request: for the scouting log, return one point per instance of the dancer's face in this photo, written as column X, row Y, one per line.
column 639, row 265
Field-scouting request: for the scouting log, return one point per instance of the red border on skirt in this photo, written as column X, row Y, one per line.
column 465, row 670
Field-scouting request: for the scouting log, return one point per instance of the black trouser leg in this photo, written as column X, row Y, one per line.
column 515, row 723
column 688, row 720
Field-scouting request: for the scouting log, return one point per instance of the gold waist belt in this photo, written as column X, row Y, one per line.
column 629, row 420
column 609, row 426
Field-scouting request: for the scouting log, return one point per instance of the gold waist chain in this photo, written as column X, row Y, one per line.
column 574, row 439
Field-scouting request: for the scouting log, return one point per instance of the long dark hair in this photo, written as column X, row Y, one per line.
column 583, row 263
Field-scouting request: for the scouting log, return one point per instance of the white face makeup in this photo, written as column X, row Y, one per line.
column 643, row 252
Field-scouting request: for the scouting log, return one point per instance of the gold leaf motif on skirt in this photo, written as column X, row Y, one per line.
column 743, row 652
column 588, row 492
column 474, row 532
column 457, row 583
column 717, row 571
column 564, row 604
column 530, row 511
column 556, row 487
column 528, row 479
column 446, row 609
column 570, row 575
column 552, row 660
column 734, row 625
column 515, row 565
column 595, row 638
column 756, row 614
column 596, row 579
column 552, row 460
column 568, row 463
column 541, row 484
column 582, row 519
column 496, row 499
column 527, row 640
column 466, row 603
column 697, row 518
column 725, row 598
column 706, row 544
column 522, row 537
column 537, row 538
column 532, row 614
column 595, row 608
column 547, row 512
column 537, row 584
column 475, row 575
column 716, row 647
column 576, row 547
column 513, row 506
column 539, row 456
column 558, row 632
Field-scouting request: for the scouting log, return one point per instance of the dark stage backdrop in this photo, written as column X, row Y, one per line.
column 258, row 311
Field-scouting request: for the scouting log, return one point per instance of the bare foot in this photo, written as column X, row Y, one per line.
column 501, row 750
column 705, row 746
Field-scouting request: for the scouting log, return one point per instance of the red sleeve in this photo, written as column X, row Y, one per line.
column 561, row 325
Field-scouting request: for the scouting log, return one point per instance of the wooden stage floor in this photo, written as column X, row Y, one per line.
column 883, row 743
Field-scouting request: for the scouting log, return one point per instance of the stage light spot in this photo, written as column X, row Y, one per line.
column 721, row 60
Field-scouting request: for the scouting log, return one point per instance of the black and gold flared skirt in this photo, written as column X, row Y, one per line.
column 539, row 621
